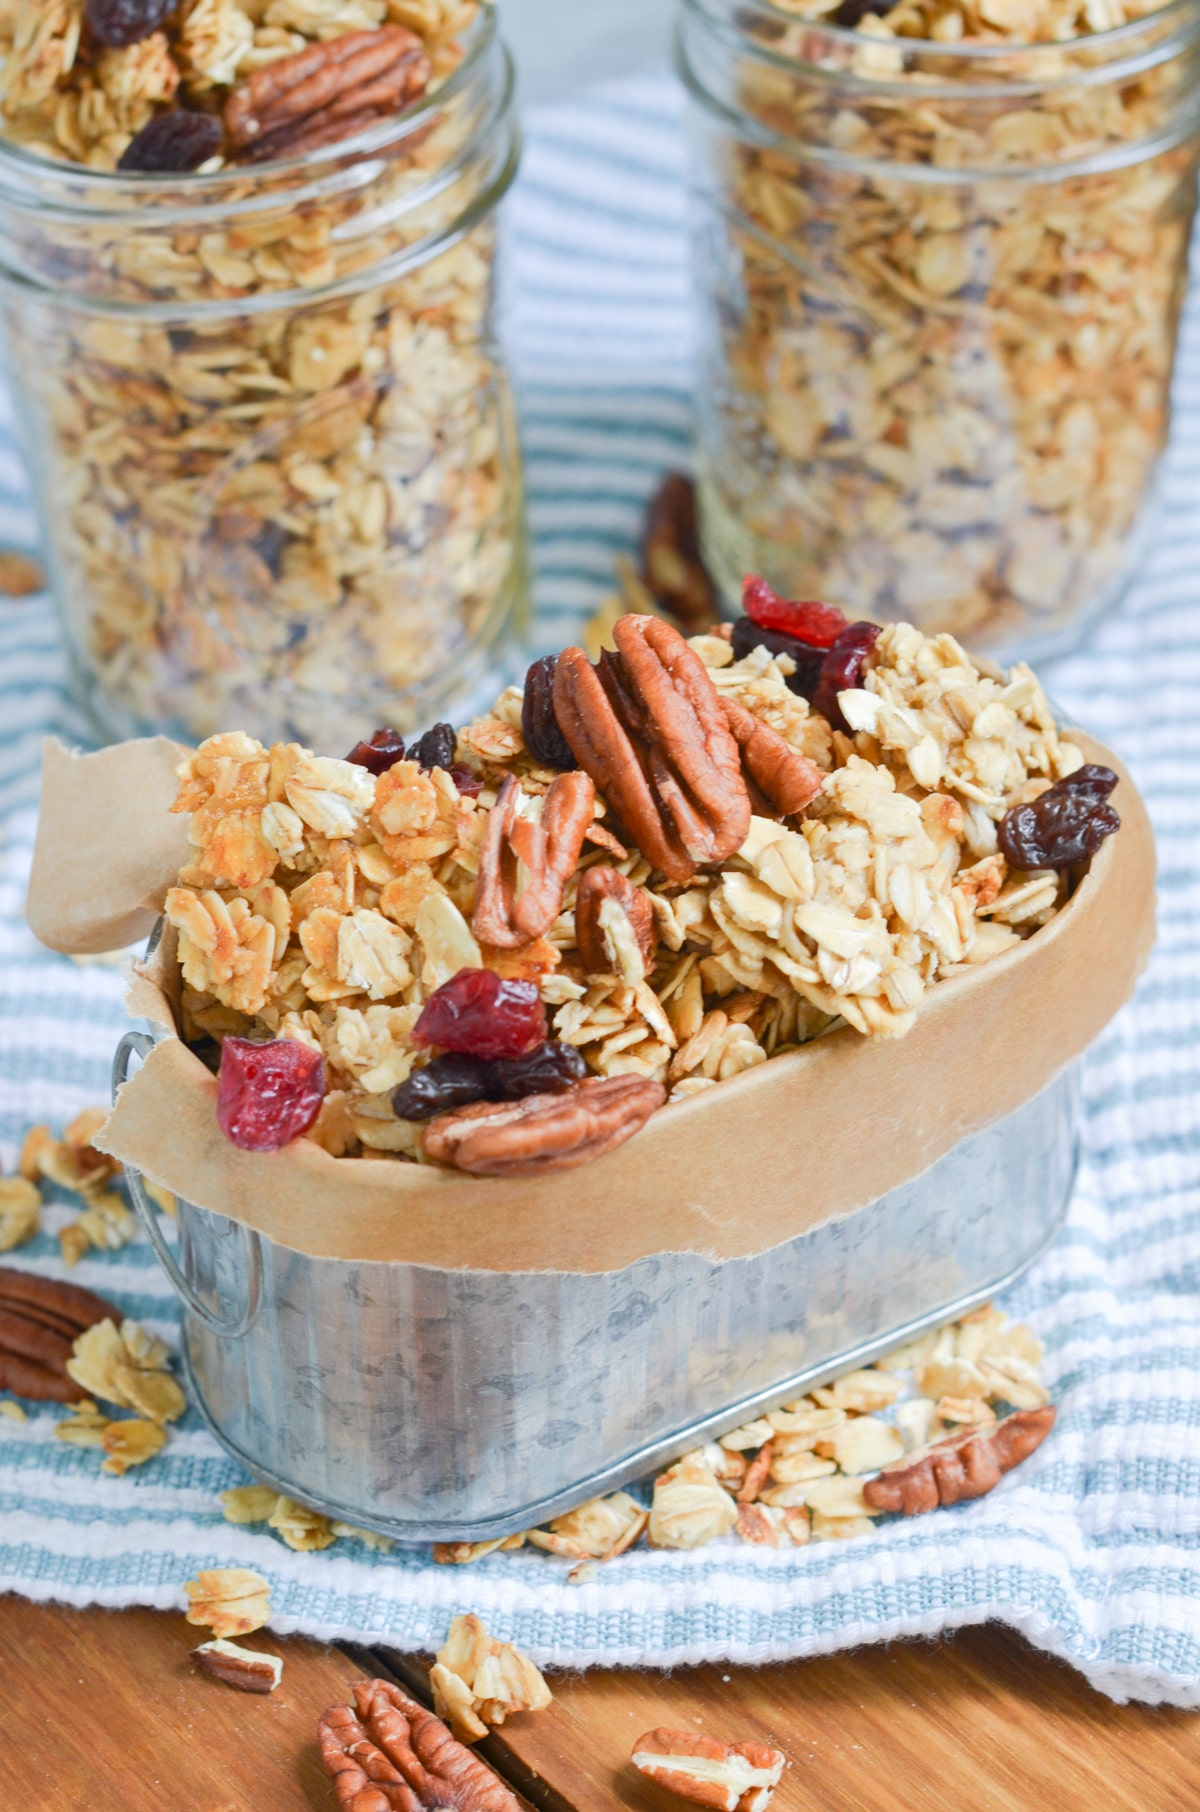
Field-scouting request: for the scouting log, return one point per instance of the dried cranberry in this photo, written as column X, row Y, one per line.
column 119, row 23
column 180, row 140
column 841, row 670
column 479, row 1012
column 270, row 1093
column 465, row 779
column 816, row 625
column 1066, row 824
column 383, row 751
column 748, row 635
column 455, row 1080
column 539, row 726
column 436, row 748
column 546, row 1070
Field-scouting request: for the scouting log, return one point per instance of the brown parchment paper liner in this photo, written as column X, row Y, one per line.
column 728, row 1174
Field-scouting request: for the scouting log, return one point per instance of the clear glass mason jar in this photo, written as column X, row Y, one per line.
column 268, row 428
column 940, row 286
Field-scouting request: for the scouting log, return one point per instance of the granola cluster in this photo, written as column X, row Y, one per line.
column 324, row 903
column 272, row 433
column 942, row 299
column 81, row 79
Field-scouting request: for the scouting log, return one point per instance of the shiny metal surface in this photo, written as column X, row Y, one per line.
column 465, row 1405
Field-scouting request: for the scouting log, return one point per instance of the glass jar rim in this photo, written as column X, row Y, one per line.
column 892, row 88
column 318, row 172
column 1181, row 12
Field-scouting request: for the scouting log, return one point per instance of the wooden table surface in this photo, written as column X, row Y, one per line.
column 100, row 1711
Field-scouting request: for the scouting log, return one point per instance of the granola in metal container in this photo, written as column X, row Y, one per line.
column 479, row 959
column 940, row 249
column 270, row 432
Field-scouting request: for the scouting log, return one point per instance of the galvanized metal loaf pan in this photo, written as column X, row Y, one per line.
column 465, row 1405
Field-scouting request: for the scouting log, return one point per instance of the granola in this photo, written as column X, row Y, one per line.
column 824, row 1466
column 941, row 294
column 327, row 904
column 478, row 1681
column 275, row 440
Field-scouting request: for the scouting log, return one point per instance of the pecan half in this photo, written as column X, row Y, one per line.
column 963, row 1466
column 647, row 725
column 244, row 1668
column 671, row 562
column 614, row 925
column 547, row 848
column 325, row 92
column 39, row 1319
column 544, row 1132
column 737, row 1777
column 388, row 1754
column 790, row 781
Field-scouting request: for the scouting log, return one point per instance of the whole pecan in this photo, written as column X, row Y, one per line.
column 613, row 918
column 388, row 1754
column 544, row 1132
column 789, row 780
column 547, row 847
column 39, row 1320
column 324, row 92
column 963, row 1466
column 647, row 725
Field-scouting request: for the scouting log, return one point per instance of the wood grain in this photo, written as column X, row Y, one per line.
column 980, row 1723
column 100, row 1711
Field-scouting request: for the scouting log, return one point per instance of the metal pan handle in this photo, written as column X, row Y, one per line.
column 233, row 1326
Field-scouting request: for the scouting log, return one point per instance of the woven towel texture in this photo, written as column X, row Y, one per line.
column 1093, row 1548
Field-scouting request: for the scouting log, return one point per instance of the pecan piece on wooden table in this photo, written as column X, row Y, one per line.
column 325, row 92
column 737, row 1777
column 647, row 725
column 963, row 1466
column 787, row 779
column 388, row 1754
column 544, row 1132
column 40, row 1318
column 614, row 924
column 547, row 847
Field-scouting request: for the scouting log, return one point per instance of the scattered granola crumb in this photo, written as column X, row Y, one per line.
column 478, row 1681
column 231, row 1601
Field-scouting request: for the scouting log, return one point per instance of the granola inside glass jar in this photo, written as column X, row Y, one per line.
column 941, row 251
column 268, row 428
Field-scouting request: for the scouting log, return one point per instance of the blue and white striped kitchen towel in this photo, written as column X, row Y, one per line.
column 1093, row 1548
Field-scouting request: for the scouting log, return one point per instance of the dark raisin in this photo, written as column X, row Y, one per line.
column 480, row 1012
column 465, row 779
column 747, row 635
column 119, row 23
column 455, row 1080
column 268, row 1094
column 180, row 140
column 546, row 1070
column 1066, row 824
column 851, row 13
column 539, row 726
column 842, row 668
column 436, row 748
column 816, row 625
column 672, row 565
column 383, row 751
